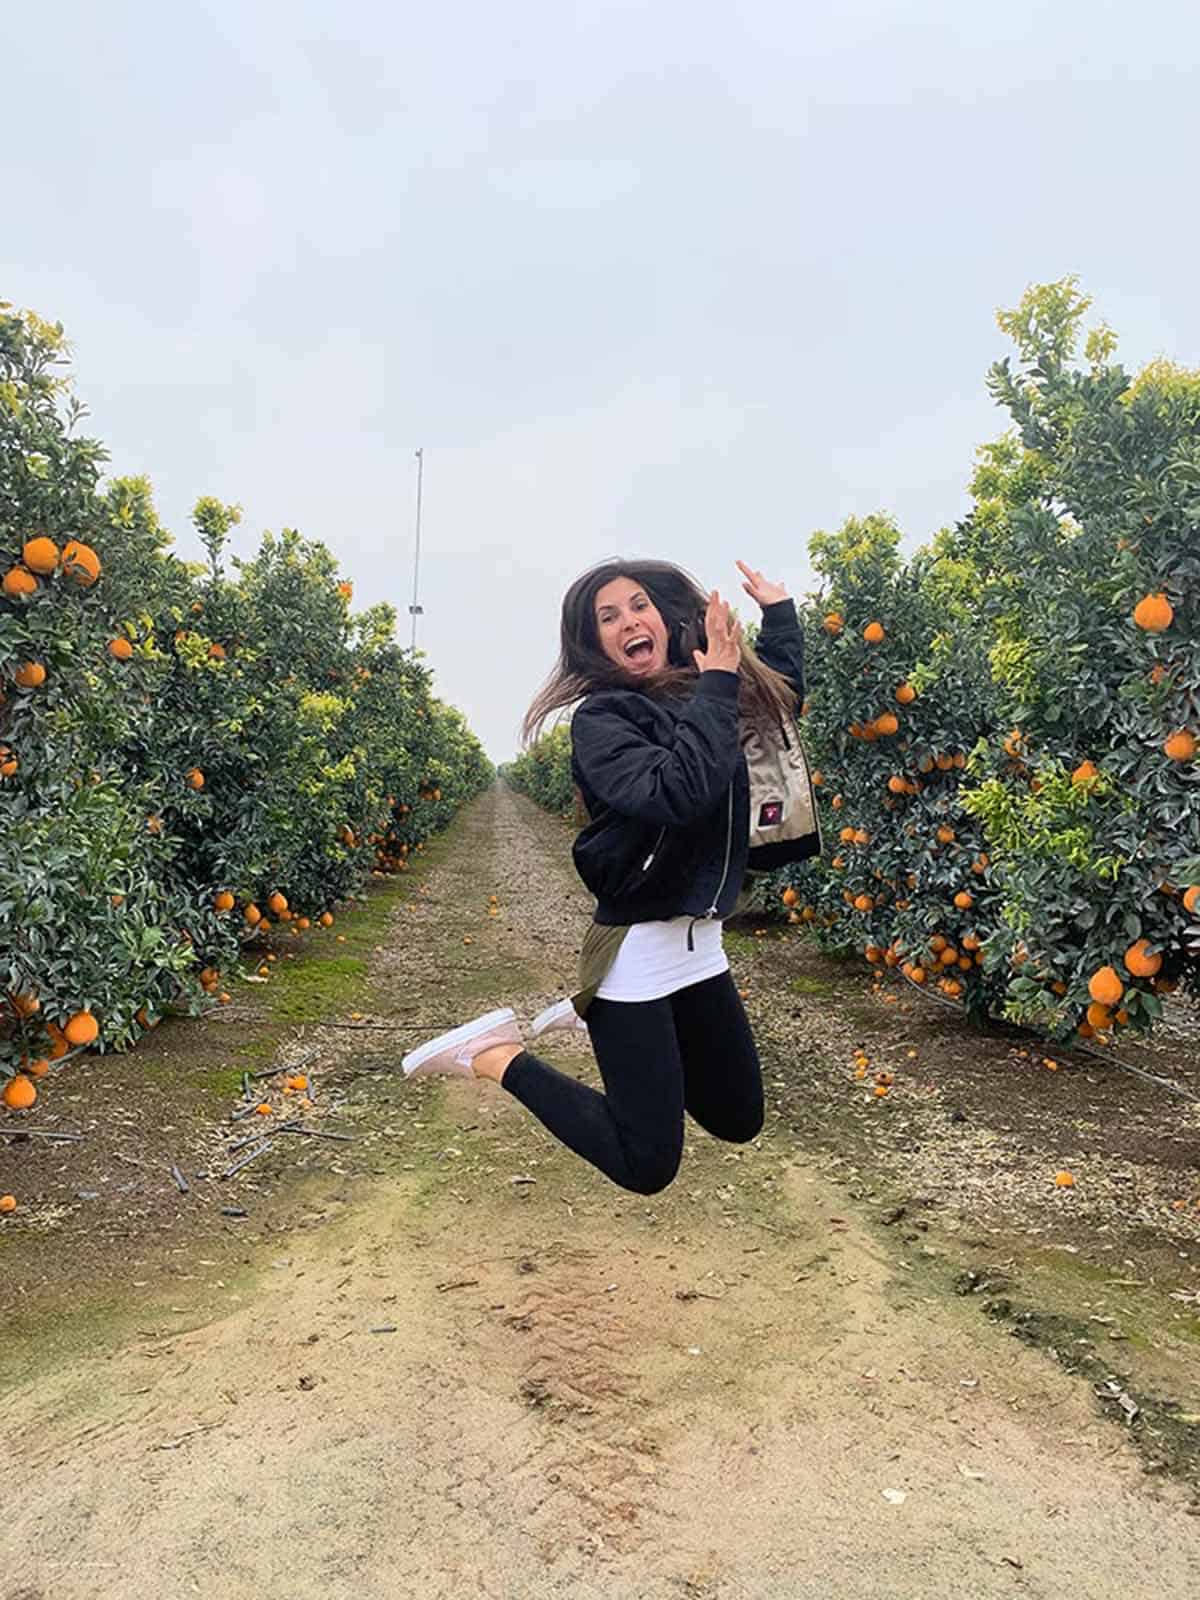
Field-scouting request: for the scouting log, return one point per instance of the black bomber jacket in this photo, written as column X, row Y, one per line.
column 666, row 787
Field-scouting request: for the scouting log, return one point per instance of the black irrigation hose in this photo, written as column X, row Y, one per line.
column 1002, row 1024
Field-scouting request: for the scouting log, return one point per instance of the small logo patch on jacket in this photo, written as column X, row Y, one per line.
column 770, row 814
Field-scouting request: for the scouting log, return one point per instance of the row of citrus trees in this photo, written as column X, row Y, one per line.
column 188, row 756
column 1004, row 726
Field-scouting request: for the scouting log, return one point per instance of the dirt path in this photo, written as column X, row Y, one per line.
column 474, row 1367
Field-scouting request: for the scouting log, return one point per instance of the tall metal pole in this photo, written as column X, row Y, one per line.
column 414, row 609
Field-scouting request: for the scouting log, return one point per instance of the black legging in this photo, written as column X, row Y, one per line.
column 692, row 1050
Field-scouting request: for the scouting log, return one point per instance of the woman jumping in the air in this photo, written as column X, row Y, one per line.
column 671, row 700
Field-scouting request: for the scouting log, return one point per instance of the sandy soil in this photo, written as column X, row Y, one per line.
column 441, row 1381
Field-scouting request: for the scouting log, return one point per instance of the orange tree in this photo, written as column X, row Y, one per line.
column 1050, row 644
column 543, row 772
column 185, row 757
column 898, row 695
column 1084, row 550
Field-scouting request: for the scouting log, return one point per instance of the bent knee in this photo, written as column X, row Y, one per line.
column 746, row 1127
column 654, row 1171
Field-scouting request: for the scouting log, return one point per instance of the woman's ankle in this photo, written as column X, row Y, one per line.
column 493, row 1062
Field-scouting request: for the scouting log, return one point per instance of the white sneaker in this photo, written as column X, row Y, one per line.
column 452, row 1052
column 562, row 1014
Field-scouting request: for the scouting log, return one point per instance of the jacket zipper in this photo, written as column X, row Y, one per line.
column 654, row 851
column 712, row 910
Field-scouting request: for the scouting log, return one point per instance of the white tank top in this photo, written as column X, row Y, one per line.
column 654, row 960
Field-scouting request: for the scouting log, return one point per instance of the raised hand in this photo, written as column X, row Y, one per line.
column 759, row 589
column 724, row 634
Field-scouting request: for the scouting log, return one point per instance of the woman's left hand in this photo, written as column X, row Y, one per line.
column 759, row 589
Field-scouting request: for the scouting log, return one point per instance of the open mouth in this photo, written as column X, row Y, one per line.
column 639, row 650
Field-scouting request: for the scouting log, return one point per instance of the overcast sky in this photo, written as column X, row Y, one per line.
column 687, row 280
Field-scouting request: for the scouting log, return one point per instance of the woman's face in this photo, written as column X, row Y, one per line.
column 625, row 615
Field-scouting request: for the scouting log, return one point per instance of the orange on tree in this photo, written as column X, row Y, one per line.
column 834, row 623
column 120, row 649
column 19, row 1093
column 887, row 724
column 1139, row 962
column 30, row 675
column 1099, row 1016
column 1084, row 772
column 873, row 633
column 195, row 778
column 1105, row 986
column 40, row 555
column 223, row 901
column 1180, row 746
column 1191, row 898
column 326, row 919
column 964, row 900
column 277, row 903
column 906, row 694
column 252, row 914
column 19, row 581
column 81, row 562
column 82, row 1028
column 1154, row 613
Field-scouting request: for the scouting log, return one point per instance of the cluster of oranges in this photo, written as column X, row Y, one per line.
column 80, row 1029
column 1154, row 613
column 1109, row 990
column 41, row 559
column 392, row 851
column 874, row 632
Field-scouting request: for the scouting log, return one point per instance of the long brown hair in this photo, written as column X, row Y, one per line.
column 764, row 695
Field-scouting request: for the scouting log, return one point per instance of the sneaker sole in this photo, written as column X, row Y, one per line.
column 554, row 1016
column 456, row 1036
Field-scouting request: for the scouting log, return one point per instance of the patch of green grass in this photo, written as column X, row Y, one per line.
column 251, row 1052
column 222, row 1083
column 806, row 985
column 313, row 990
